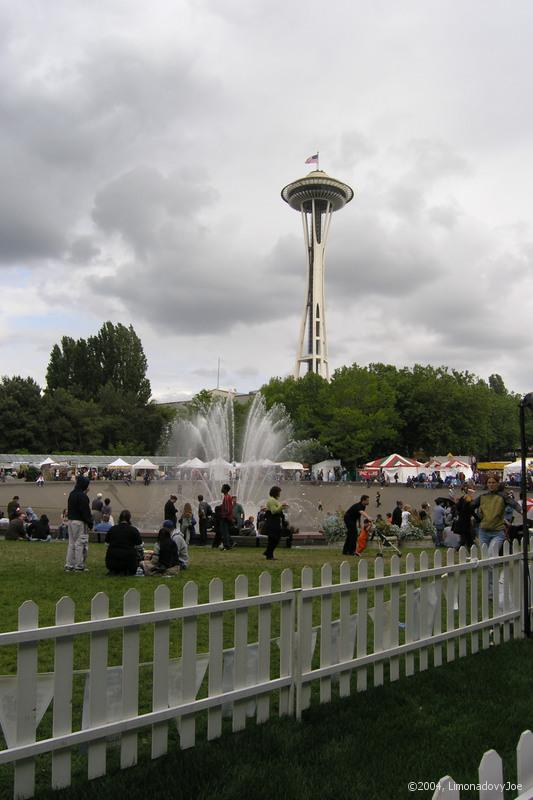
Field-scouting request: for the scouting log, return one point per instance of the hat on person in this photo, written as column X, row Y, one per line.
column 99, row 494
column 168, row 524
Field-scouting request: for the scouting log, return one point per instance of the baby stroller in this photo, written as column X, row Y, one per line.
column 385, row 542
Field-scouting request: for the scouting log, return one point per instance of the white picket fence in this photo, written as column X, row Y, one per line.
column 261, row 654
column 490, row 784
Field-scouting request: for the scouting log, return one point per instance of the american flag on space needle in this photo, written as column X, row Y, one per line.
column 312, row 159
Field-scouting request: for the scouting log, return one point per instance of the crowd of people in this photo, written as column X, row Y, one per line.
column 453, row 521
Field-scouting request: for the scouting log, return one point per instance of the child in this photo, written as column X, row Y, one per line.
column 362, row 539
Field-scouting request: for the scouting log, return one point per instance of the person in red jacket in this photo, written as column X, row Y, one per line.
column 226, row 517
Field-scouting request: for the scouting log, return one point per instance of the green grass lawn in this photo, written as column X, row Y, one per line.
column 367, row 746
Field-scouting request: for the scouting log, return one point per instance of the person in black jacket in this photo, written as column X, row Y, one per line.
column 124, row 543
column 171, row 512
column 80, row 522
column 352, row 520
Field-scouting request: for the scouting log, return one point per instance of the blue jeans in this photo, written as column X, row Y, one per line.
column 493, row 540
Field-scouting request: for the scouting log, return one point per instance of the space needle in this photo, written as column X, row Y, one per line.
column 316, row 196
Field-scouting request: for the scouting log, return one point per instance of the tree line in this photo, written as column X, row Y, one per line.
column 367, row 412
column 96, row 400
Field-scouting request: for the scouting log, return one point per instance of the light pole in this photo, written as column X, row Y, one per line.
column 526, row 402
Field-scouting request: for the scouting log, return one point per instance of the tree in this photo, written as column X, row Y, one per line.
column 21, row 425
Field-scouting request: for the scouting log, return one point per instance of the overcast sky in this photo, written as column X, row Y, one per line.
column 143, row 148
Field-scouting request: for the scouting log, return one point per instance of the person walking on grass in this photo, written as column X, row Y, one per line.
column 352, row 520
column 80, row 522
column 273, row 521
column 226, row 517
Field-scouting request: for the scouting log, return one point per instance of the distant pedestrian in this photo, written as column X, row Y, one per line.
column 378, row 499
column 171, row 512
column 226, row 517
column 397, row 514
column 205, row 512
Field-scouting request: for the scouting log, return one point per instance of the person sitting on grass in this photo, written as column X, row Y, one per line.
column 103, row 526
column 183, row 548
column 163, row 560
column 124, row 541
column 40, row 531
column 15, row 529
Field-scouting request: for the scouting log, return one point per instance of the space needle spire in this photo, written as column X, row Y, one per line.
column 316, row 196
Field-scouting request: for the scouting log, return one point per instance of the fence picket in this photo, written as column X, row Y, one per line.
column 306, row 635
column 264, row 626
column 241, row 653
column 379, row 621
column 130, row 679
column 286, row 630
column 446, row 790
column 161, row 651
column 485, row 635
column 362, row 624
column 491, row 776
column 26, row 700
column 426, row 618
column 409, row 612
column 524, row 761
column 62, row 719
column 506, row 592
column 461, row 598
column 98, row 686
column 437, row 626
column 450, row 605
column 344, row 647
column 216, row 646
column 188, row 656
column 326, row 576
column 474, row 606
column 394, row 668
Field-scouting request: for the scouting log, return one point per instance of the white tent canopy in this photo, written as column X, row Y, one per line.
column 119, row 463
column 48, row 462
column 144, row 463
column 192, row 463
column 516, row 467
column 290, row 465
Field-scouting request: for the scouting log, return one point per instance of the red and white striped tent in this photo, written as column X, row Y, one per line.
column 394, row 464
column 454, row 465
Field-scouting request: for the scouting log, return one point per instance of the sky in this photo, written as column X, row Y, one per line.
column 143, row 148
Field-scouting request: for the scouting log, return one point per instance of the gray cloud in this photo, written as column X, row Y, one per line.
column 142, row 155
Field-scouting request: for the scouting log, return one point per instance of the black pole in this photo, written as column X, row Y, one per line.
column 525, row 523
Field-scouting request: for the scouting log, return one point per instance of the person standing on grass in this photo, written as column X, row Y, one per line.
column 439, row 521
column 397, row 513
column 80, row 522
column 490, row 508
column 362, row 539
column 273, row 521
column 352, row 520
column 204, row 513
column 226, row 517
column 171, row 512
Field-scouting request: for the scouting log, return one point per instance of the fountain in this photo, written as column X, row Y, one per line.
column 248, row 466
